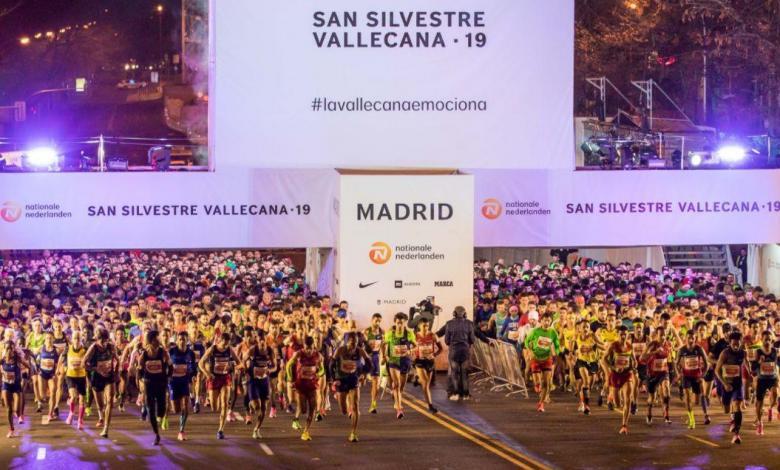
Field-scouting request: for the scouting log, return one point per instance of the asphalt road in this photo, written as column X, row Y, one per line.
column 490, row 431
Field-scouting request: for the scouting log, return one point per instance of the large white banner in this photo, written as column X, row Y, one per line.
column 403, row 239
column 615, row 208
column 259, row 209
column 402, row 83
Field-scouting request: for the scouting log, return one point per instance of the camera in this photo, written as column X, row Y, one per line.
column 425, row 308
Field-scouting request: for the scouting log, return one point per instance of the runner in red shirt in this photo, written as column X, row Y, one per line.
column 620, row 362
column 306, row 367
column 691, row 363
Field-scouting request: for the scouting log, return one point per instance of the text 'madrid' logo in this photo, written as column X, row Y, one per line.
column 380, row 253
column 10, row 211
column 491, row 208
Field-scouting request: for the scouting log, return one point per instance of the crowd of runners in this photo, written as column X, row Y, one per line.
column 632, row 336
column 181, row 333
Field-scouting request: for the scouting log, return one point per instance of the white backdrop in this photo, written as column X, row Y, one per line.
column 269, row 70
column 397, row 284
column 247, row 208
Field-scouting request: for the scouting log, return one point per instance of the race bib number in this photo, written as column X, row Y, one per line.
column 179, row 370
column 767, row 368
column 691, row 363
column 104, row 368
column 543, row 342
column 74, row 363
column 9, row 377
column 399, row 350
column 622, row 362
column 375, row 344
column 426, row 350
column 348, row 367
column 260, row 371
column 221, row 367
column 639, row 348
column 586, row 348
column 47, row 364
column 60, row 348
column 308, row 372
column 730, row 371
column 751, row 354
column 154, row 367
column 658, row 365
column 513, row 335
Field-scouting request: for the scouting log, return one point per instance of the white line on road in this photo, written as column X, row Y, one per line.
column 41, row 453
column 266, row 449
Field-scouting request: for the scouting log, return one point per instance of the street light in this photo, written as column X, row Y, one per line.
column 24, row 41
column 159, row 10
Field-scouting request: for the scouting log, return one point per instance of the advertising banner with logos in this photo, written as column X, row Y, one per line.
column 612, row 208
column 247, row 208
column 403, row 239
column 373, row 83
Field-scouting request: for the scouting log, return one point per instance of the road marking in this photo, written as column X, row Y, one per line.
column 266, row 449
column 481, row 435
column 485, row 445
column 41, row 453
column 703, row 441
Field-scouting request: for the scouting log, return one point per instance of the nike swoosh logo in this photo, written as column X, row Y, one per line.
column 363, row 286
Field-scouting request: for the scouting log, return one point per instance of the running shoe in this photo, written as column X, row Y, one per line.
column 99, row 423
column 122, row 407
column 633, row 409
column 157, row 439
column 581, row 407
column 353, row 437
column 181, row 436
column 296, row 424
column 432, row 408
column 256, row 434
column 667, row 419
column 231, row 417
column 760, row 429
column 610, row 406
column 692, row 424
column 707, row 419
column 272, row 413
column 399, row 414
column 318, row 417
column 454, row 398
column 466, row 397
column 38, row 407
column 104, row 434
column 736, row 439
column 10, row 434
column 540, row 407
column 164, row 423
column 196, row 408
column 623, row 430
column 88, row 411
column 248, row 419
column 21, row 419
column 649, row 420
column 220, row 434
column 372, row 408
column 586, row 411
column 305, row 436
column 144, row 413
column 80, row 425
column 69, row 419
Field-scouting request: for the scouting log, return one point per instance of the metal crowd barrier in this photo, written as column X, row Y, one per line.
column 499, row 364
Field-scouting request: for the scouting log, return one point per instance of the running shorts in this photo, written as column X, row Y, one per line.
column 79, row 383
column 618, row 379
column 764, row 385
column 259, row 389
column 543, row 365
column 218, row 382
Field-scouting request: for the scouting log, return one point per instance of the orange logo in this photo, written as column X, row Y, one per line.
column 491, row 208
column 380, row 253
column 10, row 211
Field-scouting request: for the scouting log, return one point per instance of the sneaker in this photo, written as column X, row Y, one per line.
column 454, row 398
column 736, row 439
column 372, row 408
column 21, row 419
column 707, row 419
column 104, row 434
column 144, row 413
column 692, row 424
column 220, row 434
column 231, row 417
column 399, row 414
column 38, row 407
column 633, row 409
column 305, row 436
column 432, row 408
column 667, row 419
column 99, row 423
column 88, row 411
column 353, row 437
column 586, row 411
column 296, row 424
column 122, row 407
column 272, row 413
column 581, row 407
column 196, row 408
column 466, row 397
column 80, row 425
column 649, row 420
column 760, row 429
column 610, row 406
column 623, row 430
column 256, row 434
column 181, row 437
column 157, row 439
column 69, row 419
column 248, row 420
column 540, row 407
column 10, row 434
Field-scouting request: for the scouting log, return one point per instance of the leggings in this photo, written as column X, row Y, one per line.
column 156, row 402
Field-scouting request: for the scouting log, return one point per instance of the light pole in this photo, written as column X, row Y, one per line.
column 159, row 9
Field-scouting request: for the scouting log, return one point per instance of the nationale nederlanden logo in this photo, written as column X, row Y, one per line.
column 491, row 208
column 10, row 211
column 380, row 253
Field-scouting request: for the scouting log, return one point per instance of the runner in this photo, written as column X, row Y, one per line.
column 307, row 368
column 183, row 369
column 216, row 366
column 766, row 358
column 586, row 346
column 425, row 352
column 543, row 343
column 348, row 374
column 48, row 358
column 76, row 378
column 639, row 339
column 690, row 365
column 398, row 344
column 35, row 340
column 259, row 361
column 374, row 337
column 154, row 366
column 101, row 361
column 657, row 356
column 11, row 368
column 729, row 371
column 620, row 362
